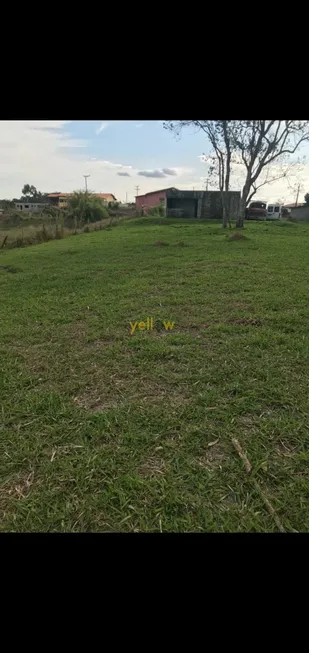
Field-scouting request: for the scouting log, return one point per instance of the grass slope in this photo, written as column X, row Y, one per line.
column 102, row 431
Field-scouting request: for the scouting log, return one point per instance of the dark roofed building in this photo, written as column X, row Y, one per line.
column 189, row 203
column 200, row 204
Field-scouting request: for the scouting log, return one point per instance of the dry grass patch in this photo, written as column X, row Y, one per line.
column 246, row 321
column 153, row 466
column 17, row 488
column 94, row 401
column 213, row 457
column 242, row 305
column 237, row 236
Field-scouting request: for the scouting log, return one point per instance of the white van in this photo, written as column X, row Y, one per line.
column 273, row 212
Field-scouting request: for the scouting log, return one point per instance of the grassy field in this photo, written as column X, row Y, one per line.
column 102, row 430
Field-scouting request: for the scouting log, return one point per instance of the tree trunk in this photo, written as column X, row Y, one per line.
column 224, row 217
column 241, row 217
column 225, row 210
column 243, row 203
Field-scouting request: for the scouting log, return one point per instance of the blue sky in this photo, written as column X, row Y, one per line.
column 138, row 143
column 145, row 146
column 53, row 155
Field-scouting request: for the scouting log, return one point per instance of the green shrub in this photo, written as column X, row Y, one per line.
column 85, row 207
column 51, row 211
column 157, row 211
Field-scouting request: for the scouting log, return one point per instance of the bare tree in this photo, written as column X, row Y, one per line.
column 274, row 173
column 260, row 146
column 219, row 136
column 260, row 143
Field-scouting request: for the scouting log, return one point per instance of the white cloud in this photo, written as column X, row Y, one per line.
column 109, row 164
column 103, row 125
column 42, row 153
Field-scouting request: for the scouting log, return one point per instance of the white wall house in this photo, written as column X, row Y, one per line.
column 30, row 207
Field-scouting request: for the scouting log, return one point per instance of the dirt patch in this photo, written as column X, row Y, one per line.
column 94, row 404
column 246, row 321
column 160, row 243
column 181, row 244
column 237, row 236
column 99, row 344
column 243, row 305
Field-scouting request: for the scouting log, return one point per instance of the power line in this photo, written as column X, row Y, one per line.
column 297, row 194
column 86, row 181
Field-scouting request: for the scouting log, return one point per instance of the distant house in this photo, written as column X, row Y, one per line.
column 61, row 199
column 299, row 212
column 106, row 197
column 293, row 205
column 30, row 207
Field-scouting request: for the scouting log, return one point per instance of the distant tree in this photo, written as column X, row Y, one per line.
column 30, row 193
column 306, row 198
column 86, row 207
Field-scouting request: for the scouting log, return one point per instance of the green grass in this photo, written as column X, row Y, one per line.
column 104, row 431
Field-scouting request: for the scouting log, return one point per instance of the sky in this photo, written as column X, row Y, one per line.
column 53, row 155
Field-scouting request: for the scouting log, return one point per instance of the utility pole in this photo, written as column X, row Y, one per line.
column 297, row 194
column 137, row 189
column 86, row 181
column 206, row 184
column 126, row 198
